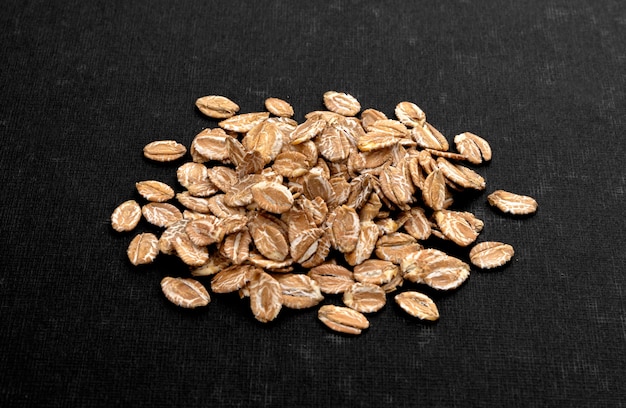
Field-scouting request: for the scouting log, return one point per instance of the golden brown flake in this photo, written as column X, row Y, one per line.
column 161, row 214
column 332, row 278
column 425, row 138
column 185, row 292
column 396, row 186
column 435, row 268
column 389, row 127
column 460, row 227
column 370, row 116
column 244, row 122
column 210, row 144
column 375, row 271
column 166, row 240
column 126, row 216
column 188, row 252
column 298, row 291
column 321, row 253
column 434, row 190
column 198, row 204
column 343, row 319
column 410, row 114
column 306, row 131
column 279, row 107
column 218, row 207
column 491, row 254
column 291, row 164
column 258, row 260
column 222, row 177
column 232, row 278
column 217, row 107
column 341, row 103
column 345, row 227
column 266, row 297
column 143, row 249
column 417, row 305
column 205, row 231
column 304, row 244
column 266, row 139
column 269, row 239
column 272, row 196
column 164, row 150
column 396, row 246
column 368, row 235
column 236, row 247
column 365, row 297
column 155, row 191
column 473, row 147
column 215, row 264
column 191, row 173
column 416, row 224
column 512, row 203
column 333, row 144
column 461, row 175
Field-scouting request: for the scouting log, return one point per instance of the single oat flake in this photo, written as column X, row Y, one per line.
column 343, row 319
column 217, row 107
column 512, row 203
column 185, row 292
column 164, row 150
column 417, row 305
column 143, row 249
column 490, row 254
column 126, row 216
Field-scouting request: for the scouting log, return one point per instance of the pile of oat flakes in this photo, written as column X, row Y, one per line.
column 340, row 205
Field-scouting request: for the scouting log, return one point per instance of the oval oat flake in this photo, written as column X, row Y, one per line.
column 410, row 114
column 244, row 122
column 375, row 271
column 266, row 297
column 161, row 214
column 126, row 216
column 279, row 107
column 418, row 305
column 232, row 278
column 343, row 319
column 333, row 279
column 217, row 107
column 473, row 147
column 341, row 103
column 155, row 191
column 143, row 249
column 185, row 292
column 365, row 297
column 272, row 196
column 164, row 150
column 299, row 291
column 491, row 254
column 512, row 203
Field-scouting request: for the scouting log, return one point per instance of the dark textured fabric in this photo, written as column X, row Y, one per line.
column 86, row 84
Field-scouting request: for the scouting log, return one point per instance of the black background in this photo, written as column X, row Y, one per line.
column 86, row 84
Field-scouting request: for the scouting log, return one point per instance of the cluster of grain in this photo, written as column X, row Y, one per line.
column 342, row 204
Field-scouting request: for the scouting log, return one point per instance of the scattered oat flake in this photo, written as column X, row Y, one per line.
column 342, row 319
column 164, row 150
column 417, row 305
column 185, row 292
column 512, row 203
column 126, row 216
column 490, row 254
